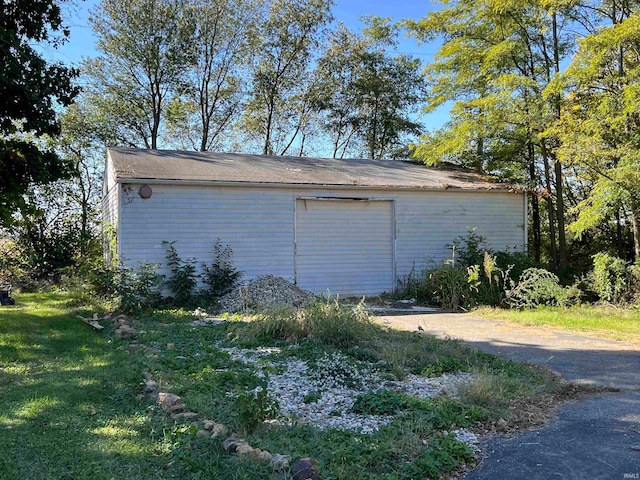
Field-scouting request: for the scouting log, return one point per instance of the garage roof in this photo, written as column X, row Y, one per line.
column 166, row 165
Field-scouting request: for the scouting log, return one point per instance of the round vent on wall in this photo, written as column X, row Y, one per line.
column 145, row 191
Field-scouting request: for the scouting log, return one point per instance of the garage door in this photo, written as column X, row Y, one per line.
column 344, row 246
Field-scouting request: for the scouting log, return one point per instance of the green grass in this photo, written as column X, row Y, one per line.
column 69, row 406
column 71, row 403
column 608, row 322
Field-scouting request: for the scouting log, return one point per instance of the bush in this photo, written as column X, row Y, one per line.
column 138, row 289
column 610, row 278
column 449, row 287
column 221, row 277
column 538, row 286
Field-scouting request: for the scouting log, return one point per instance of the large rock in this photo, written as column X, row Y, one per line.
column 305, row 469
column 170, row 402
column 280, row 462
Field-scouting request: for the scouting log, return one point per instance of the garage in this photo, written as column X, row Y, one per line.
column 345, row 226
column 344, row 245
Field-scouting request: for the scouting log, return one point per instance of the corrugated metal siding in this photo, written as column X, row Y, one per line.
column 344, row 246
column 258, row 223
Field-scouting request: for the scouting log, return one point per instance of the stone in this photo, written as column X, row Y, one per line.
column 134, row 347
column 150, row 386
column 244, row 450
column 208, row 425
column 218, row 430
column 280, row 462
column 123, row 333
column 254, row 454
column 231, row 444
column 178, row 417
column 171, row 346
column 305, row 469
column 168, row 401
column 178, row 407
column 152, row 351
column 264, row 457
column 202, row 434
column 635, row 447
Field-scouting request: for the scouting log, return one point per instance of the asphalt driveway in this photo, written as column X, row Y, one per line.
column 596, row 438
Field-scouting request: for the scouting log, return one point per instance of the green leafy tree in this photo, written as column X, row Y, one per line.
column 216, row 80
column 367, row 96
column 600, row 125
column 145, row 47
column 280, row 100
column 30, row 89
column 499, row 65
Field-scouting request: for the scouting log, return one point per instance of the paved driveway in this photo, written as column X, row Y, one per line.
column 597, row 438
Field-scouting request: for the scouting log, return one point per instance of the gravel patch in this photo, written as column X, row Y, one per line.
column 264, row 293
column 331, row 387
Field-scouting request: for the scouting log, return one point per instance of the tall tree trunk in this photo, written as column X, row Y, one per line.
column 562, row 243
column 550, row 206
column 535, row 204
column 635, row 224
column 619, row 241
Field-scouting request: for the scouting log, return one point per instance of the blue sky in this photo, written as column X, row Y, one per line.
column 82, row 41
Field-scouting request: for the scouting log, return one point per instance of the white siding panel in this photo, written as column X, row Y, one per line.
column 258, row 223
column 344, row 246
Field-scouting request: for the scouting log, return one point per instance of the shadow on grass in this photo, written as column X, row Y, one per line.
column 70, row 404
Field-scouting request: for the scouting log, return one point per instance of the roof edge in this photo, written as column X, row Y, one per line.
column 499, row 187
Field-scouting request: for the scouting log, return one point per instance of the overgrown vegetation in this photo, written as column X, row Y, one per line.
column 204, row 375
column 477, row 276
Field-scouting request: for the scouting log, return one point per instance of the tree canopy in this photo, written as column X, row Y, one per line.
column 30, row 91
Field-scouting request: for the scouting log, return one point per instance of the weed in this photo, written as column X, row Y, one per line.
column 312, row 397
column 381, row 402
column 325, row 321
column 255, row 407
column 444, row 453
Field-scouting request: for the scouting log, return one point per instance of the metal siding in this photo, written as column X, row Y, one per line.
column 344, row 246
column 258, row 223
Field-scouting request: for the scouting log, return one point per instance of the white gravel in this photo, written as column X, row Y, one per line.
column 338, row 382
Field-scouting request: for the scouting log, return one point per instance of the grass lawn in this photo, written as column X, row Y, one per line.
column 69, row 406
column 72, row 406
column 608, row 322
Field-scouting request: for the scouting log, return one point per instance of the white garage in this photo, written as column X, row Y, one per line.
column 348, row 227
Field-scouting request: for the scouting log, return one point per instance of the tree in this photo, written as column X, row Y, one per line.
column 600, row 123
column 145, row 47
column 280, row 101
column 30, row 88
column 500, row 64
column 224, row 33
column 367, row 96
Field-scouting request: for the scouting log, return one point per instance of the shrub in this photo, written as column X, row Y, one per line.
column 610, row 277
column 138, row 289
column 221, row 276
column 537, row 287
column 469, row 249
column 449, row 287
column 255, row 407
column 182, row 281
